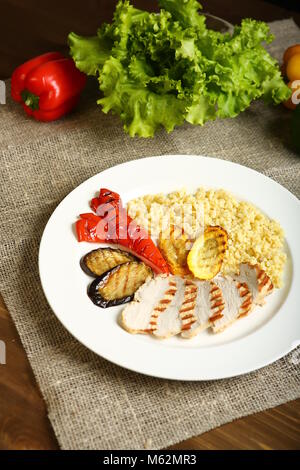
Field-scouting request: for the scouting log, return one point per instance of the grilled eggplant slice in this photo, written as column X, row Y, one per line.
column 117, row 286
column 99, row 261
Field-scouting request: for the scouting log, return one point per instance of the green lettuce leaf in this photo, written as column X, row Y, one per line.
column 185, row 11
column 89, row 53
column 141, row 110
column 162, row 69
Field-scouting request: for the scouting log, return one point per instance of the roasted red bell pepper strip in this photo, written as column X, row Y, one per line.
column 86, row 228
column 136, row 239
column 47, row 86
column 106, row 197
column 118, row 227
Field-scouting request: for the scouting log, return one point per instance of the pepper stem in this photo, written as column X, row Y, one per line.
column 30, row 99
column 28, row 102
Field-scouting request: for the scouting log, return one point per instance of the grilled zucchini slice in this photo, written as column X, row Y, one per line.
column 99, row 261
column 206, row 256
column 174, row 245
column 117, row 286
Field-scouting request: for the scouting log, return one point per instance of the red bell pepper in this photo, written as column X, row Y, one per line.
column 47, row 86
column 86, row 228
column 114, row 225
column 106, row 197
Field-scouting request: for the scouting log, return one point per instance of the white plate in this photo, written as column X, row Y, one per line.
column 266, row 335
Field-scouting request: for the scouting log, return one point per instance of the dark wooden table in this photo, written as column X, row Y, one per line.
column 33, row 27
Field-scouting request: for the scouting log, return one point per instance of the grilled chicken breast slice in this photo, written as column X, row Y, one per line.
column 167, row 319
column 137, row 317
column 237, row 302
column 259, row 283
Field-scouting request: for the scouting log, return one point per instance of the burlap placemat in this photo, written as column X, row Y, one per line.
column 93, row 404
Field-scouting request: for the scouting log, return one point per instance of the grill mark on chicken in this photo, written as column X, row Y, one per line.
column 216, row 299
column 160, row 309
column 260, row 273
column 263, row 282
column 187, row 327
column 247, row 304
column 215, row 317
column 186, row 317
column 214, row 289
column 271, row 287
column 217, row 303
column 190, row 290
column 243, row 293
column 188, row 305
column 171, row 291
column 186, row 309
column 216, row 296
